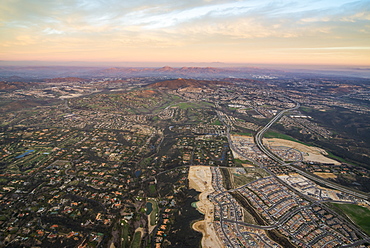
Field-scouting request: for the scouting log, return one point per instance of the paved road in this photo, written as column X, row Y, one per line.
column 258, row 137
column 357, row 243
column 258, row 140
column 250, row 225
column 328, row 183
column 284, row 218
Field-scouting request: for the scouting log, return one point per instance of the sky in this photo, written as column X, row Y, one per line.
column 335, row 32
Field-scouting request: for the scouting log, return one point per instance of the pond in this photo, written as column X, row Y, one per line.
column 137, row 173
column 25, row 154
column 149, row 208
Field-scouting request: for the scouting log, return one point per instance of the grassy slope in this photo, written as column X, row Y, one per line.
column 359, row 215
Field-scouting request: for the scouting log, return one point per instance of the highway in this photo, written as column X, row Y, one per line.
column 258, row 137
column 258, row 140
column 328, row 183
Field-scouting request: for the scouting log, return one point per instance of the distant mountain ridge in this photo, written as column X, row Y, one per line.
column 4, row 86
column 185, row 83
column 40, row 73
column 165, row 70
column 65, row 79
column 12, row 73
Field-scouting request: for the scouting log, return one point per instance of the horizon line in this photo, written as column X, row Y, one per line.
column 48, row 63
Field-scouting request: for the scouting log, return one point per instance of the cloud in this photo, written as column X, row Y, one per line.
column 52, row 31
column 332, row 48
column 75, row 24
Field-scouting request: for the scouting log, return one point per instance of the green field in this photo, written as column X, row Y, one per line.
column 153, row 218
column 239, row 162
column 306, row 109
column 125, row 233
column 243, row 179
column 244, row 134
column 331, row 155
column 359, row 215
column 152, row 189
column 250, row 174
column 217, row 122
column 136, row 240
column 187, row 105
column 271, row 134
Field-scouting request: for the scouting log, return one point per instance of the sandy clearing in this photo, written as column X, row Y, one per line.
column 310, row 153
column 150, row 227
column 325, row 174
column 200, row 179
column 70, row 96
column 248, row 165
column 141, row 230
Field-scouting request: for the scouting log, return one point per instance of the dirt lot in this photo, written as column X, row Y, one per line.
column 200, row 179
column 310, row 153
column 325, row 175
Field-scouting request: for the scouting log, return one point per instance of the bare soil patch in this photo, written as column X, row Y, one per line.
column 200, row 179
column 310, row 153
